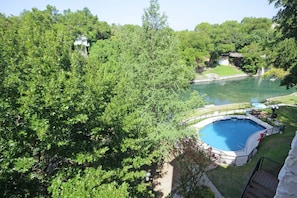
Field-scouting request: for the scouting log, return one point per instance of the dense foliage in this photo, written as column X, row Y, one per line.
column 79, row 126
column 73, row 126
column 251, row 37
column 286, row 62
column 190, row 161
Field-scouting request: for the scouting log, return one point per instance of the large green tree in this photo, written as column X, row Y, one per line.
column 75, row 126
column 287, row 23
column 50, row 107
column 147, row 108
column 286, row 17
column 35, row 53
column 194, row 47
column 258, row 35
column 83, row 22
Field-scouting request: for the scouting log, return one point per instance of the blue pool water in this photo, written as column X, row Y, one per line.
column 230, row 134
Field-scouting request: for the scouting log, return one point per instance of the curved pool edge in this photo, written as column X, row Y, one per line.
column 240, row 157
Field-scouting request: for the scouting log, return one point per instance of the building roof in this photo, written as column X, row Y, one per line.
column 235, row 55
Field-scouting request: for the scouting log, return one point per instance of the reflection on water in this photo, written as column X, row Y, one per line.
column 248, row 89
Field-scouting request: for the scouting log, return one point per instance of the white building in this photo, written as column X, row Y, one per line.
column 81, row 44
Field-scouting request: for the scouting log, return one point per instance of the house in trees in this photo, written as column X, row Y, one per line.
column 224, row 60
column 81, row 44
column 231, row 57
column 236, row 58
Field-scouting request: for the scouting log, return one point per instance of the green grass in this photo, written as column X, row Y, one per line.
column 219, row 108
column 231, row 180
column 222, row 70
column 288, row 99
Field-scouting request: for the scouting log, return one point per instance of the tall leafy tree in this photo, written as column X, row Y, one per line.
column 194, row 47
column 283, row 58
column 50, row 110
column 83, row 22
column 259, row 31
column 253, row 58
column 144, row 112
column 191, row 161
column 67, row 119
column 142, row 82
column 286, row 19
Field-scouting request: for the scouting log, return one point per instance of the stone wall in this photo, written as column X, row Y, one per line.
column 287, row 186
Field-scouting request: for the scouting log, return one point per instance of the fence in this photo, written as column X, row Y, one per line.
column 275, row 130
column 216, row 113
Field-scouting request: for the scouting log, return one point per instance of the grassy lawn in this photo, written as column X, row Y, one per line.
column 289, row 99
column 231, row 180
column 221, row 70
column 219, row 108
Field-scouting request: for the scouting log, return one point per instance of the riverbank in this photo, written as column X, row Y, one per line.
column 214, row 77
column 290, row 99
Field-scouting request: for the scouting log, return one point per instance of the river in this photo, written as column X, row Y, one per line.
column 248, row 89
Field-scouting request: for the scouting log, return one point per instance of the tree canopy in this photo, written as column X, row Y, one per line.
column 76, row 126
column 286, row 20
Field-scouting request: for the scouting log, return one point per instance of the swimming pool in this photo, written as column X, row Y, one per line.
column 229, row 134
column 232, row 140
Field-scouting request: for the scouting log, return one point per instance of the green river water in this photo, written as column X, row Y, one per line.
column 249, row 89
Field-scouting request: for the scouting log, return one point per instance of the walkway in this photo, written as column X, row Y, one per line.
column 165, row 184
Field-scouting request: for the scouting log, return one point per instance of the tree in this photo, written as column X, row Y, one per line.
column 67, row 120
column 191, row 163
column 82, row 22
column 144, row 114
column 133, row 83
column 286, row 19
column 257, row 30
column 30, row 63
column 224, row 38
column 253, row 58
column 283, row 58
column 153, row 19
column 93, row 182
column 194, row 47
column 251, row 34
column 49, row 113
